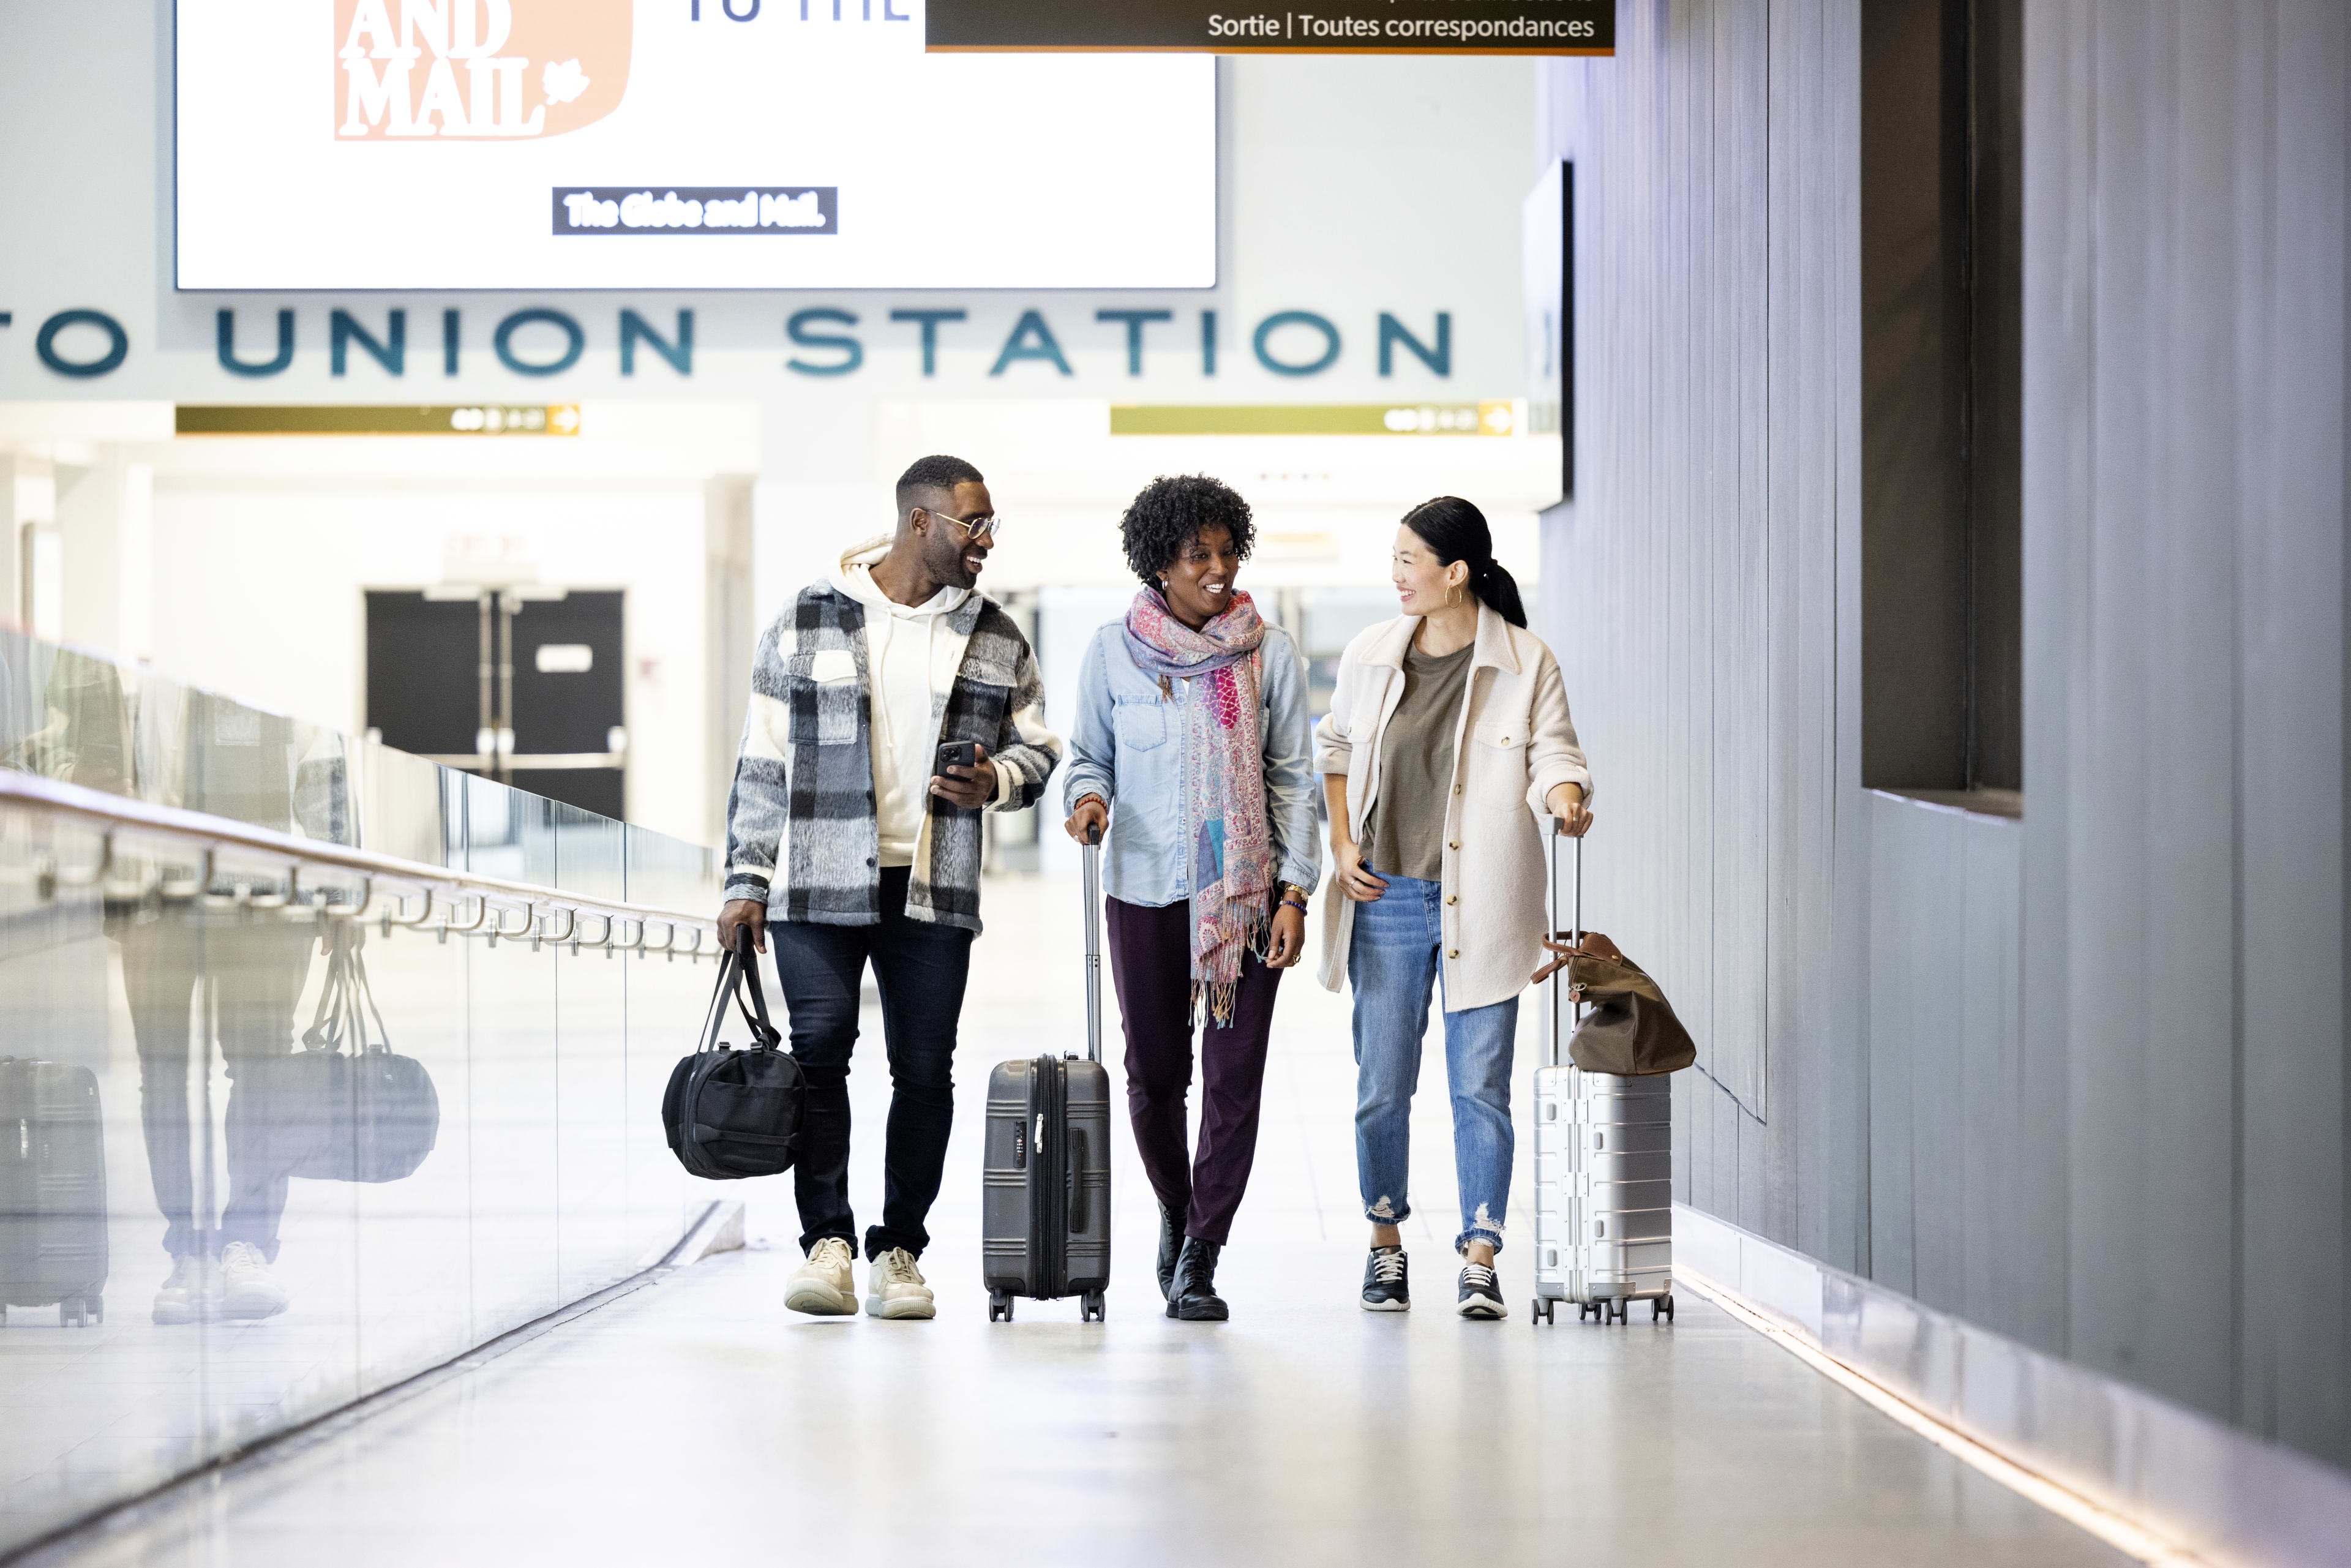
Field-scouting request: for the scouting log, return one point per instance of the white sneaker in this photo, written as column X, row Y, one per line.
column 191, row 1295
column 894, row 1287
column 823, row 1285
column 247, row 1290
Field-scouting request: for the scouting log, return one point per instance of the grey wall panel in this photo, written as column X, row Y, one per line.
column 2059, row 177
column 1948, row 1084
column 2080, row 1079
column 2184, row 508
column 2287, row 359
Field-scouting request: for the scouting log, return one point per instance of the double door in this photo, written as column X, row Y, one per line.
column 521, row 684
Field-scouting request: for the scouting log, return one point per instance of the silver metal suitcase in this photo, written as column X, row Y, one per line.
column 1603, row 1164
column 1045, row 1208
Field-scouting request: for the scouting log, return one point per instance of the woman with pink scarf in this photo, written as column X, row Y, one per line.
column 1192, row 746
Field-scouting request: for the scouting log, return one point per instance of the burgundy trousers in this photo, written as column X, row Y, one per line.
column 1151, row 965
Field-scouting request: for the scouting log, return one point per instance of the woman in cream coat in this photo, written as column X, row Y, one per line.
column 1447, row 740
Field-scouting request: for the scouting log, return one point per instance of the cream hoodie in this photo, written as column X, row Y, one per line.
column 912, row 669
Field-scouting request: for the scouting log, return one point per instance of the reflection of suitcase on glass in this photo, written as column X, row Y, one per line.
column 52, row 1191
column 1604, row 1166
column 1045, row 1209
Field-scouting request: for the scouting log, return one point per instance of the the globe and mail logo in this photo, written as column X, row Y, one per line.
column 697, row 209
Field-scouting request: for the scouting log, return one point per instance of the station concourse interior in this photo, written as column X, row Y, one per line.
column 1921, row 430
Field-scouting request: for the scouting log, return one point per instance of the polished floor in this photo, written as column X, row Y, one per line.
column 695, row 1419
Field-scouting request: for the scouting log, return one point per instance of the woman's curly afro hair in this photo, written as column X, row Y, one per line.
column 1166, row 513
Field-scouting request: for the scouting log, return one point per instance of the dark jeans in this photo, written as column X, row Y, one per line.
column 1151, row 964
column 919, row 967
column 256, row 972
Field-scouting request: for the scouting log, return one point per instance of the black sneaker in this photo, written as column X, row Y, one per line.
column 1385, row 1287
column 1481, row 1293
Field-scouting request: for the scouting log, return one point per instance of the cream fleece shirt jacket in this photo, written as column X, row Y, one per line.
column 913, row 663
column 1514, row 744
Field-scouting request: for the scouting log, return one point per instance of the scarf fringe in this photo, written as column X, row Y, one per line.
column 1254, row 934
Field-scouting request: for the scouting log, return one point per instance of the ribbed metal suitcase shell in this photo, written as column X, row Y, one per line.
column 1047, row 1174
column 1604, row 1186
column 1044, row 1216
column 1603, row 1164
column 53, row 1245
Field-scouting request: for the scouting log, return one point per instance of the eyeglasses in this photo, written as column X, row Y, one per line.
column 988, row 527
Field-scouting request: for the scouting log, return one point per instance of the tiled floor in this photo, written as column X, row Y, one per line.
column 696, row 1421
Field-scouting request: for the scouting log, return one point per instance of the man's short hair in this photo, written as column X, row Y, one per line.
column 937, row 473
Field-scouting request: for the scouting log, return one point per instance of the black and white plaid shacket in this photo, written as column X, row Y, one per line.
column 802, row 832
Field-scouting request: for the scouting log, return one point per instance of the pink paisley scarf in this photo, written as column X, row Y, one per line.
column 1224, row 781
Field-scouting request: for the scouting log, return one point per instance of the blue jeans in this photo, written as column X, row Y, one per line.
column 1392, row 964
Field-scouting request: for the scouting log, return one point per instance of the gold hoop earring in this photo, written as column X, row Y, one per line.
column 1452, row 595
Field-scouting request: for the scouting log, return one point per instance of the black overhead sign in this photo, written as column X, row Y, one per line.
column 1226, row 27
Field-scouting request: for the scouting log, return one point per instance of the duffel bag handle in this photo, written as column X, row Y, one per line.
column 747, row 966
column 740, row 964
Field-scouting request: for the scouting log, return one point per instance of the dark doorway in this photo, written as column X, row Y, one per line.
column 521, row 684
column 1942, row 398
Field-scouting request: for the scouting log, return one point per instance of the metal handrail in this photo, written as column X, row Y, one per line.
column 529, row 923
column 445, row 885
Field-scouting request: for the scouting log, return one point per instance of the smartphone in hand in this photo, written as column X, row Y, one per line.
column 957, row 754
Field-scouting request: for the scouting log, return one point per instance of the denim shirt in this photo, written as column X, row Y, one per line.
column 1127, row 746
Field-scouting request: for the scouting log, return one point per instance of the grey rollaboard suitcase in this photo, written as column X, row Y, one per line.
column 1045, row 1212
column 52, row 1191
column 1603, row 1164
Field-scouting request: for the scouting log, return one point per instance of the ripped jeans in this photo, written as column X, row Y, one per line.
column 1393, row 965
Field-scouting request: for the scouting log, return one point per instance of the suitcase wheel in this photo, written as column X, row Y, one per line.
column 1584, row 1312
column 1091, row 1307
column 1540, row 1311
column 999, row 1305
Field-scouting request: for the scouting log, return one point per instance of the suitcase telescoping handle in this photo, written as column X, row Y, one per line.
column 1559, row 1014
column 1094, row 942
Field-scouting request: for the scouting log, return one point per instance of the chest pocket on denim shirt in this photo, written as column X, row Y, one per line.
column 1142, row 722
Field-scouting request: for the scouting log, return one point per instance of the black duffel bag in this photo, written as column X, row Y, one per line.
column 730, row 1112
column 326, row 1113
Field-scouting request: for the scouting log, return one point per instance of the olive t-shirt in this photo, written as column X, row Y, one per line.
column 1407, row 835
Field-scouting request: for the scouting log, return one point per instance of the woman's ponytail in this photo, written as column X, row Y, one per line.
column 1457, row 530
column 1497, row 588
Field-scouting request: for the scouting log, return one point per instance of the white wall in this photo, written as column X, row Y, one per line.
column 264, row 583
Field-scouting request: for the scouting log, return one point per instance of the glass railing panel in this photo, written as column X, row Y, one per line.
column 409, row 808
column 425, row 1134
column 66, row 714
column 517, row 1081
column 415, row 1261
column 592, row 1097
column 274, row 1141
column 94, row 1396
column 666, row 999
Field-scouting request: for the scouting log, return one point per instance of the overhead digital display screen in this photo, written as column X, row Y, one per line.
column 465, row 144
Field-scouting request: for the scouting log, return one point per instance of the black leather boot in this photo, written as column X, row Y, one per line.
column 1171, row 1243
column 1195, row 1299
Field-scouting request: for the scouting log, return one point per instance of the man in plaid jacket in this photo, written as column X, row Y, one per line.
column 854, row 836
